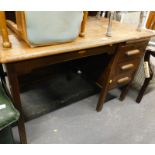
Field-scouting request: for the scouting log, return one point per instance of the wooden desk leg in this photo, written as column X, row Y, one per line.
column 102, row 96
column 124, row 92
column 15, row 92
column 106, row 82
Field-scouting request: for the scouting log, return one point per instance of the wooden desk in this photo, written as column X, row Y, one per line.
column 126, row 47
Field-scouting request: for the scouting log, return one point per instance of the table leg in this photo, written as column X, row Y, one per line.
column 107, row 80
column 15, row 92
column 124, row 92
column 102, row 96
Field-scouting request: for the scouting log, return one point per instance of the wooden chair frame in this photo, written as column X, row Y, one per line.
column 20, row 28
column 147, row 80
column 3, row 28
column 150, row 24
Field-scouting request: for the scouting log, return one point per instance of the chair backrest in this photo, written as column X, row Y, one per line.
column 50, row 27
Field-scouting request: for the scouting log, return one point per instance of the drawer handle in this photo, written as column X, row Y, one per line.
column 82, row 52
column 133, row 52
column 126, row 67
column 122, row 80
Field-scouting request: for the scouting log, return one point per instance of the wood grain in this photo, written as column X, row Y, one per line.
column 94, row 37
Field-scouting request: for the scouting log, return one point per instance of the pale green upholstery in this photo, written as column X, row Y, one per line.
column 46, row 27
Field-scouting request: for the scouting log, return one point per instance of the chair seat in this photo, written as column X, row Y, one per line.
column 8, row 114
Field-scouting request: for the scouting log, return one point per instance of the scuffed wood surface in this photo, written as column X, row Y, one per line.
column 94, row 37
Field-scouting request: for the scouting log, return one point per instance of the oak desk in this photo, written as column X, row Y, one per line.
column 20, row 59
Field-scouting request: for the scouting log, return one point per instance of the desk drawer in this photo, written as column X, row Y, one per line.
column 127, row 66
column 32, row 64
column 95, row 51
column 131, row 50
column 120, row 80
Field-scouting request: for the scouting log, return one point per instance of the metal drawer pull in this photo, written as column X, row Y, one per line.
column 133, row 52
column 82, row 52
column 128, row 66
column 122, row 80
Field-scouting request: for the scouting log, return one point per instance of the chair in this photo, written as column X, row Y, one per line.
column 141, row 76
column 149, row 80
column 8, row 114
column 49, row 27
column 142, row 82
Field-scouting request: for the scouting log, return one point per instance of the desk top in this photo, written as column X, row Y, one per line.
column 94, row 37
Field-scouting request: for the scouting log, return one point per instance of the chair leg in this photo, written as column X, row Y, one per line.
column 143, row 89
column 83, row 25
column 147, row 80
column 3, row 27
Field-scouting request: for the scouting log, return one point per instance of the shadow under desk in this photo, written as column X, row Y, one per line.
column 50, row 88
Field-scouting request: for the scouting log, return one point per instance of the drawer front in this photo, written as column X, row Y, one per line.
column 120, row 80
column 96, row 51
column 127, row 66
column 131, row 51
column 126, row 63
column 29, row 65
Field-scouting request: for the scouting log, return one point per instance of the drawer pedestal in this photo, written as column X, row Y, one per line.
column 121, row 69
